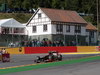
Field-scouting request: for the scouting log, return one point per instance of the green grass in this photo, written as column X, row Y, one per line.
column 21, row 17
column 38, row 66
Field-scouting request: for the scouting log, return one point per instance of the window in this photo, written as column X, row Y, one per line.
column 67, row 28
column 34, row 28
column 59, row 28
column 91, row 34
column 77, row 29
column 5, row 30
column 45, row 27
column 16, row 30
column 39, row 15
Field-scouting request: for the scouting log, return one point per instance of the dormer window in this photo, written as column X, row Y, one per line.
column 39, row 15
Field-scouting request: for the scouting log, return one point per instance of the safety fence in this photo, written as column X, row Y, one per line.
column 63, row 49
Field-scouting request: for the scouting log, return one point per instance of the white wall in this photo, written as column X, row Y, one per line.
column 53, row 29
column 83, row 30
column 95, row 37
column 94, row 40
column 72, row 30
column 39, row 22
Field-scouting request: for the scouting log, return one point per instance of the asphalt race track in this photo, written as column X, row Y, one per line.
column 86, row 68
column 17, row 60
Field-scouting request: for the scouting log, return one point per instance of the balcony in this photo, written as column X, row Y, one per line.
column 15, row 31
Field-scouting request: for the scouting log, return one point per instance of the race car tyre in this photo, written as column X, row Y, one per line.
column 37, row 59
column 59, row 57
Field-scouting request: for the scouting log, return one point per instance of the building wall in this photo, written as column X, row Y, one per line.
column 93, row 39
column 51, row 29
column 39, row 22
column 72, row 30
column 83, row 31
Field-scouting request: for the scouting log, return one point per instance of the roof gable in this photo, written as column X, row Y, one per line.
column 36, row 12
column 32, row 17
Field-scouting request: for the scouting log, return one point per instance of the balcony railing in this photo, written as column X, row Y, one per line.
column 12, row 31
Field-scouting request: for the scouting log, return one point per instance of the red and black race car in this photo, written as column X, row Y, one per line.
column 51, row 57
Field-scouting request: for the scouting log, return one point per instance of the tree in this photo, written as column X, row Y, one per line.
column 10, row 3
column 18, row 3
column 26, row 4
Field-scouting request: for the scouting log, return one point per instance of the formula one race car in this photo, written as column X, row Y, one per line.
column 51, row 57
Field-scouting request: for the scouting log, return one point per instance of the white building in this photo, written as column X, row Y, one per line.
column 52, row 24
column 10, row 31
column 57, row 24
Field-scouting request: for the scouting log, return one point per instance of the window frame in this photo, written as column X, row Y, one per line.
column 67, row 28
column 77, row 29
column 34, row 29
column 59, row 28
column 39, row 15
column 45, row 27
column 91, row 33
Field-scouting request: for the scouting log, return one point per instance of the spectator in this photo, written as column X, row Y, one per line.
column 3, row 51
column 37, row 43
column 61, row 43
column 54, row 43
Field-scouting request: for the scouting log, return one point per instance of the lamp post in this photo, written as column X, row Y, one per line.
column 97, row 3
column 97, row 12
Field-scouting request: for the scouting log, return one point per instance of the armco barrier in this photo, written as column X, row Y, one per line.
column 87, row 48
column 19, row 50
column 32, row 50
column 98, row 48
column 63, row 49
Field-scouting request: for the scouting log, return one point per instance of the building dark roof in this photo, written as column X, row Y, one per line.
column 90, row 26
column 63, row 15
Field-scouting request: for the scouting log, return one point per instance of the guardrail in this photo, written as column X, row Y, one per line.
column 61, row 49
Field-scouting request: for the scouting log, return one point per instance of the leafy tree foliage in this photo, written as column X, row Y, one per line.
column 82, row 6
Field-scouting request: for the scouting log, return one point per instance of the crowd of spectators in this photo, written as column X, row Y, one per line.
column 44, row 43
